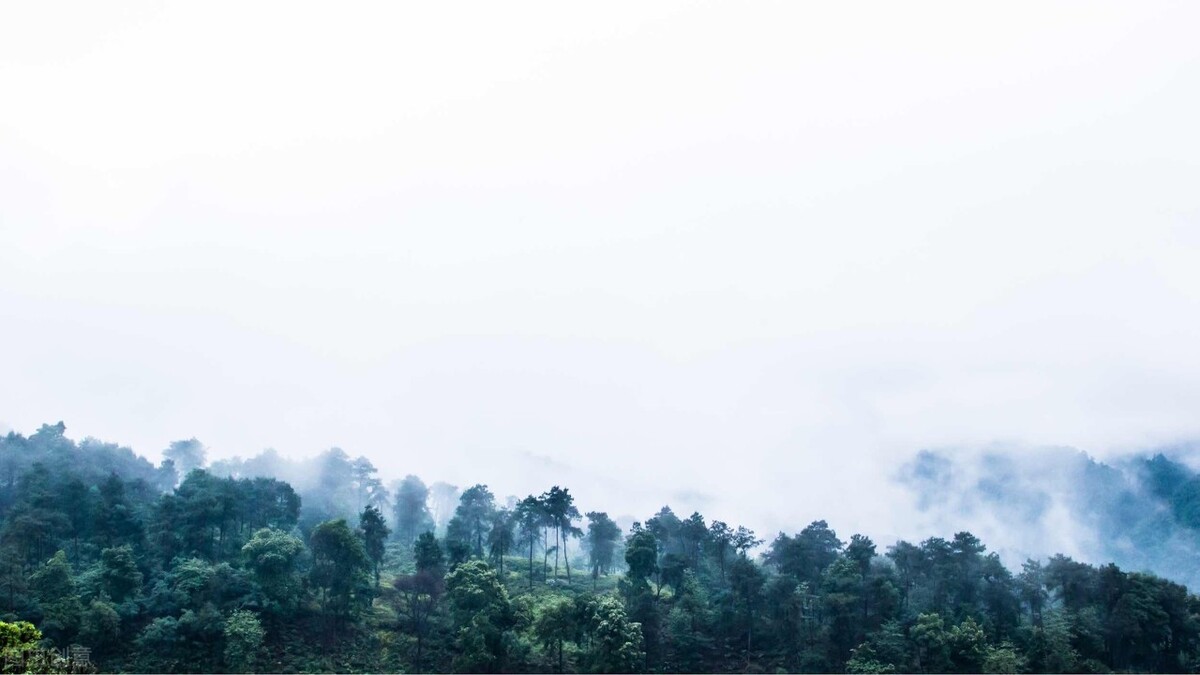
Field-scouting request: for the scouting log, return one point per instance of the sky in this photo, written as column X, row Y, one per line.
column 742, row 258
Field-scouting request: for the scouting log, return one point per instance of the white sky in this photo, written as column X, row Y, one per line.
column 738, row 257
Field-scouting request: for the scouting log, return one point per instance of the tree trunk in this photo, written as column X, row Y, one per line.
column 566, row 562
column 749, row 632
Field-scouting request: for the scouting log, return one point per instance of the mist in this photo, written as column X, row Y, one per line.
column 748, row 262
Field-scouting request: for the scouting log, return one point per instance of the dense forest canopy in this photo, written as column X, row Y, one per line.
column 270, row 564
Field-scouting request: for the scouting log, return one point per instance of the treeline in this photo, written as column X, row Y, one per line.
column 191, row 567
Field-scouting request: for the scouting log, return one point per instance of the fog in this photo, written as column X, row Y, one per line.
column 746, row 260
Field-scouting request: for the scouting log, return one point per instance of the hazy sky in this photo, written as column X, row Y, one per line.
column 743, row 257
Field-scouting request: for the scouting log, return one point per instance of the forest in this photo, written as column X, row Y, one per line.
column 111, row 563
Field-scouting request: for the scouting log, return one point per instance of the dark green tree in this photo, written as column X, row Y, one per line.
column 500, row 538
column 472, row 519
column 428, row 555
column 375, row 532
column 273, row 558
column 602, row 537
column 529, row 515
column 339, row 569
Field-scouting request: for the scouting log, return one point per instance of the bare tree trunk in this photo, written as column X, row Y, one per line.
column 566, row 561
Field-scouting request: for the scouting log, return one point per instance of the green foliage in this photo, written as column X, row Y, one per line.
column 120, row 578
column 375, row 532
column 472, row 519
column 243, row 641
column 528, row 516
column 227, row 573
column 556, row 624
column 500, row 538
column 428, row 556
column 55, row 590
column 483, row 613
column 602, row 537
column 339, row 569
column 1005, row 658
column 17, row 637
column 641, row 555
column 272, row 557
column 616, row 641
column 100, row 627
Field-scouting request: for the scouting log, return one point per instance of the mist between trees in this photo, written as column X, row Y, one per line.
column 269, row 564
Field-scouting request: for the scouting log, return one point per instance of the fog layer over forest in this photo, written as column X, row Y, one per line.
column 1141, row 511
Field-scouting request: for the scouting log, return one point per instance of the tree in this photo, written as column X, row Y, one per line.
column 746, row 581
column 418, row 594
column 243, row 641
column 339, row 568
column 602, row 536
column 744, row 539
column 368, row 488
column 411, row 510
column 932, row 644
column 806, row 555
column 1004, row 658
column 483, row 615
column 500, row 537
column 54, row 588
column 158, row 646
column 861, row 550
column 375, row 532
column 119, row 575
column 472, row 518
column 968, row 646
column 908, row 560
column 641, row 555
column 555, row 625
column 187, row 456
column 720, row 538
column 115, row 522
column 265, row 502
column 693, row 534
column 560, row 509
column 272, row 557
column 529, row 516
column 100, row 627
column 428, row 555
column 1031, row 586
column 843, row 593
column 617, row 642
column 20, row 651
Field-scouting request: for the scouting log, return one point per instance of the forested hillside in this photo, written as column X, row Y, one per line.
column 274, row 565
